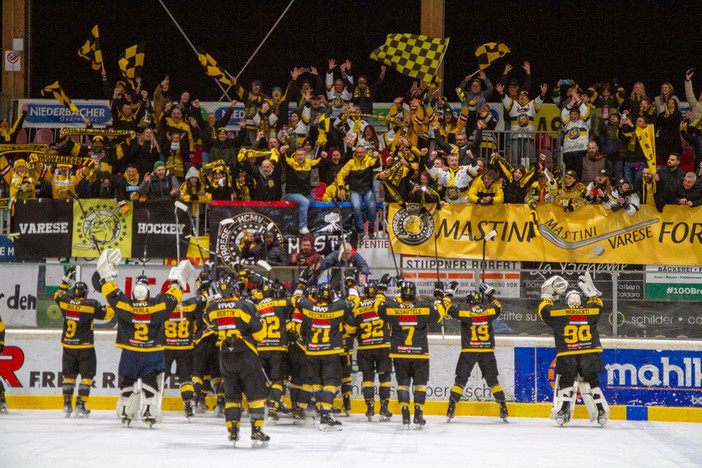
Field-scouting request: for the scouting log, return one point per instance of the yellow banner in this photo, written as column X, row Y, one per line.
column 103, row 223
column 589, row 235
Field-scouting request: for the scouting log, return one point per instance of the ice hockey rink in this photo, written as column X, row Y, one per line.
column 33, row 438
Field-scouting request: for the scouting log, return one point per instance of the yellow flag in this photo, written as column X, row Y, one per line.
column 647, row 141
column 489, row 52
column 58, row 93
column 412, row 55
column 131, row 61
column 91, row 49
column 102, row 225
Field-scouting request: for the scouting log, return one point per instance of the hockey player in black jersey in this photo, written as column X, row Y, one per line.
column 373, row 350
column 78, row 341
column 409, row 322
column 140, row 336
column 322, row 329
column 179, row 330
column 238, row 327
column 578, row 347
column 477, row 344
column 274, row 309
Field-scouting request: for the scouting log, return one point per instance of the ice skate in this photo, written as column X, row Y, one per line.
column 67, row 405
column 406, row 417
column 219, row 408
column 298, row 414
column 147, row 418
column 385, row 413
column 81, row 410
column 200, row 405
column 563, row 416
column 233, row 435
column 601, row 416
column 504, row 414
column 451, row 411
column 188, row 410
column 347, row 404
column 258, row 438
column 282, row 409
column 419, row 420
column 273, row 415
column 328, row 423
column 370, row 411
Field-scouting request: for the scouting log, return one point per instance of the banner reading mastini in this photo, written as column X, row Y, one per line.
column 591, row 234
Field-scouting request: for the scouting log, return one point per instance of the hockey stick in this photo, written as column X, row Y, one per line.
column 144, row 258
column 178, row 207
column 487, row 237
column 183, row 207
column 342, row 253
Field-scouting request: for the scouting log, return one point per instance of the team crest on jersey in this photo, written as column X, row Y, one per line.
column 100, row 223
column 232, row 234
column 413, row 225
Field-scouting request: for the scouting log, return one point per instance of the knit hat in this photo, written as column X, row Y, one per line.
column 621, row 182
column 572, row 174
column 192, row 172
column 158, row 164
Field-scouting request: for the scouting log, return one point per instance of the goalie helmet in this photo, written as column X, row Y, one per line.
column 141, row 290
column 408, row 290
column 573, row 298
column 79, row 290
column 325, row 293
column 473, row 298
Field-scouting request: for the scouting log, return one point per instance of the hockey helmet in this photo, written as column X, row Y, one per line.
column 325, row 293
column 279, row 291
column 371, row 290
column 227, row 286
column 80, row 290
column 573, row 298
column 311, row 291
column 473, row 298
column 268, row 290
column 408, row 290
column 141, row 290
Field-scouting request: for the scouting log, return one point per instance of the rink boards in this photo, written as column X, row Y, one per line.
column 645, row 379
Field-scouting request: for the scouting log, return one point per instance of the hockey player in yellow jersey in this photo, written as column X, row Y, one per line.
column 78, row 341
column 238, row 328
column 140, row 336
column 578, row 347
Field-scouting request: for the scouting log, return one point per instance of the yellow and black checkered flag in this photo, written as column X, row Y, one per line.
column 56, row 91
column 91, row 49
column 211, row 67
column 489, row 52
column 131, row 61
column 412, row 55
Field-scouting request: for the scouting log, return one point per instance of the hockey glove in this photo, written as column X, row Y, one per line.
column 552, row 287
column 384, row 282
column 587, row 286
column 451, row 289
column 69, row 276
column 107, row 263
column 350, row 279
column 487, row 290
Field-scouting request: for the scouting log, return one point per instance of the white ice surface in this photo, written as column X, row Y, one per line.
column 47, row 439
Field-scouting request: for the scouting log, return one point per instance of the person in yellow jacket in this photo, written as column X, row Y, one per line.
column 20, row 179
column 60, row 177
column 571, row 192
column 486, row 190
column 192, row 191
column 358, row 174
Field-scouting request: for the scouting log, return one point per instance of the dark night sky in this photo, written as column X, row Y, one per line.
column 586, row 41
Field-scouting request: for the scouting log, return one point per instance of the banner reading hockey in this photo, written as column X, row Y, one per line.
column 43, row 228
column 154, row 225
column 591, row 234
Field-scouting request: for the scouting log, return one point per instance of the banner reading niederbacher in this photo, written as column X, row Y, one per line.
column 591, row 234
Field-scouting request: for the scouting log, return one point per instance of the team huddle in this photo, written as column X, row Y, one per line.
column 245, row 336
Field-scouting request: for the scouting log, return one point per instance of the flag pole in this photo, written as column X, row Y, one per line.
column 193, row 47
column 257, row 48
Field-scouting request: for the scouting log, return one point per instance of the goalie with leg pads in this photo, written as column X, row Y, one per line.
column 578, row 347
column 139, row 335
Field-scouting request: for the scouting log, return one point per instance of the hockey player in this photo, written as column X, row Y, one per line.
column 3, row 403
column 274, row 310
column 238, row 327
column 179, row 329
column 477, row 345
column 409, row 322
column 300, row 388
column 78, row 340
column 206, row 373
column 373, row 350
column 140, row 336
column 322, row 330
column 577, row 348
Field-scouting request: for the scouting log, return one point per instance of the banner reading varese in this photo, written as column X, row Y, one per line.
column 591, row 234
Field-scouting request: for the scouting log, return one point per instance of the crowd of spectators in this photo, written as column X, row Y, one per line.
column 315, row 138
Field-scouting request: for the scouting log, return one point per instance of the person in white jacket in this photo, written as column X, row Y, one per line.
column 456, row 179
column 576, row 130
column 522, row 113
column 625, row 198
